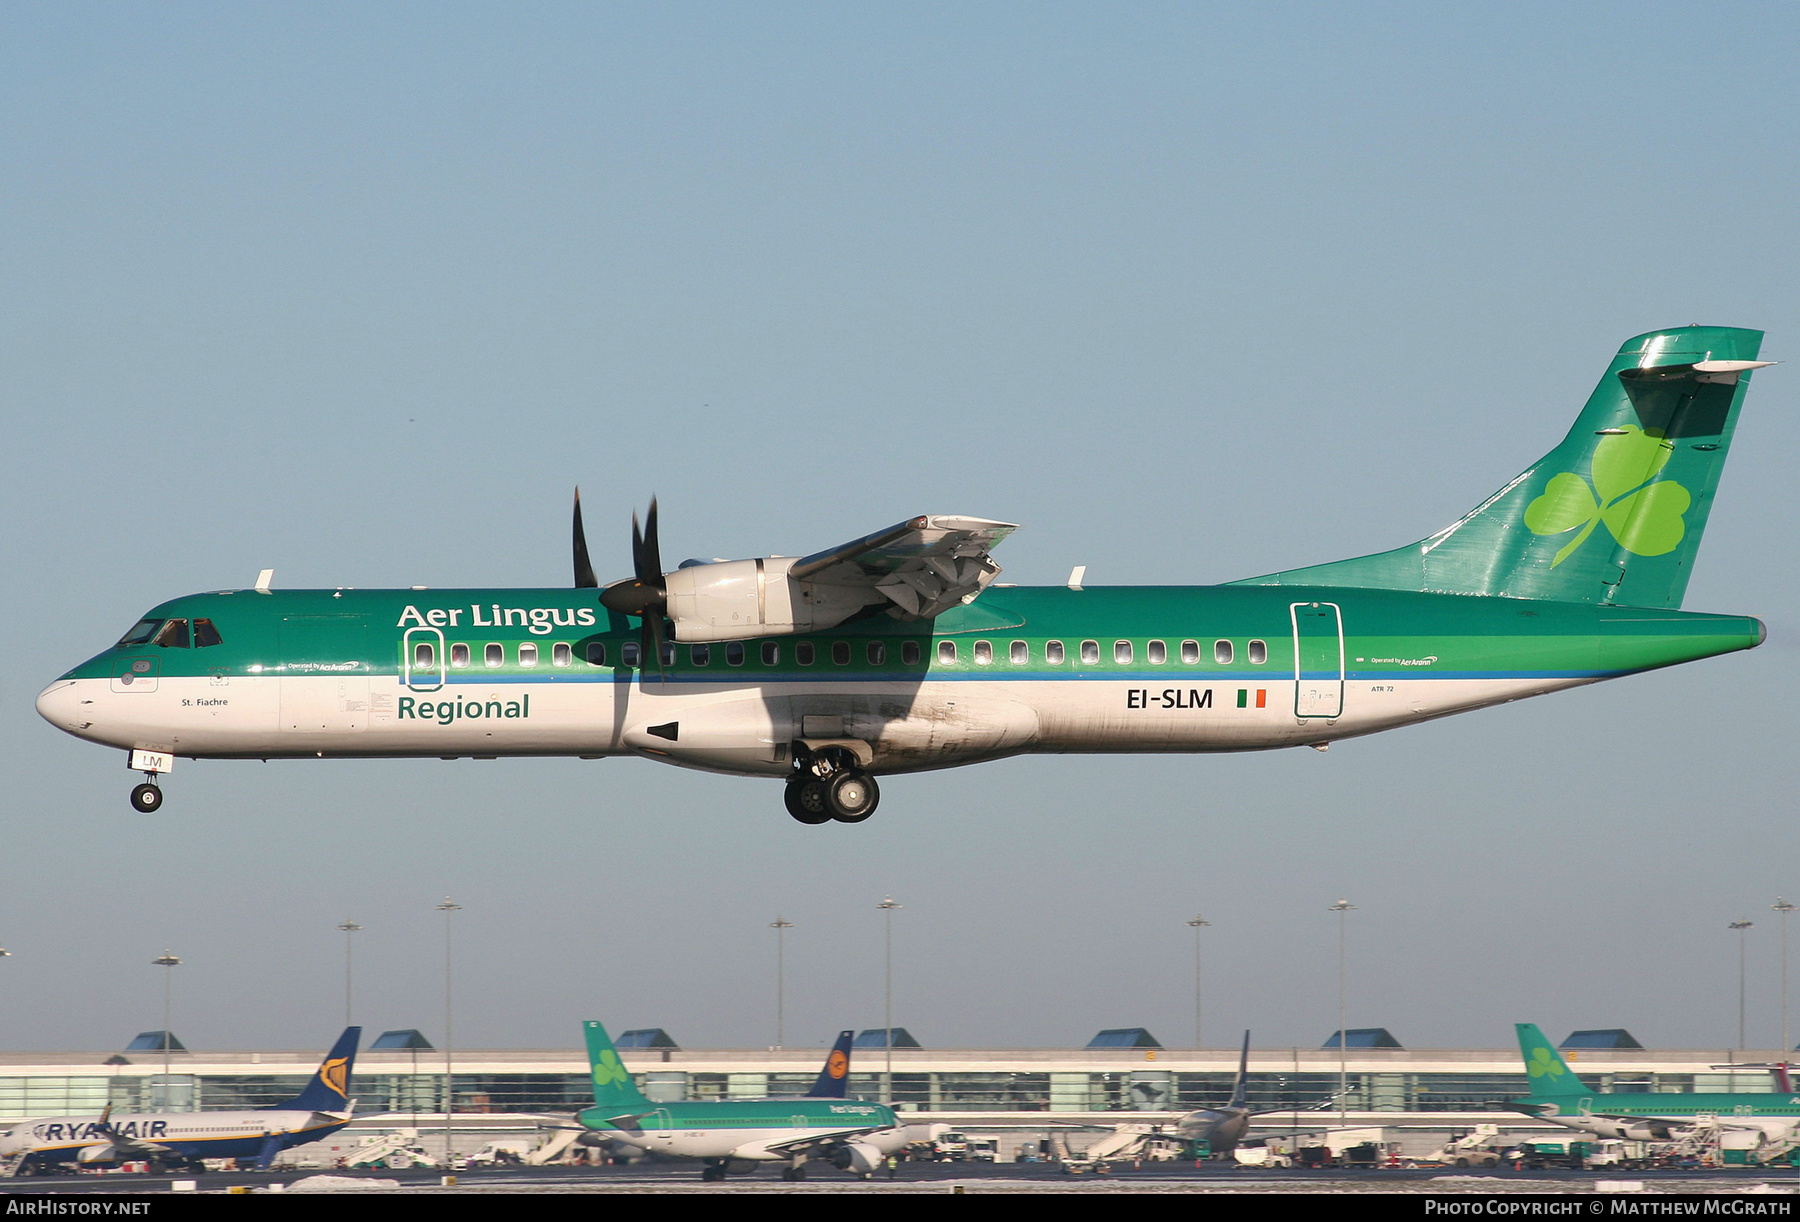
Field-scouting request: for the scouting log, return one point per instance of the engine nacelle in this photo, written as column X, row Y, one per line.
column 858, row 1157
column 730, row 600
column 103, row 1153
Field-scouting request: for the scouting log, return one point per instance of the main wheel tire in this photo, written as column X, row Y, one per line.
column 711, row 1174
column 792, row 1174
column 806, row 801
column 146, row 799
column 853, row 797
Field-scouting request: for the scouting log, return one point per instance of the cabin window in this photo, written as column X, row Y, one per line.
column 629, row 653
column 1259, row 653
column 527, row 654
column 947, row 652
column 803, row 652
column 1190, row 653
column 1053, row 652
column 174, row 635
column 840, row 653
column 459, row 655
column 1019, row 653
column 1122, row 652
column 140, row 633
column 493, row 655
column 1156, row 653
column 771, row 654
column 596, row 653
column 700, row 655
column 734, row 653
column 1090, row 653
column 877, row 653
column 424, row 655
column 1222, row 652
column 984, row 653
column 561, row 655
column 205, row 634
column 668, row 653
column 909, row 653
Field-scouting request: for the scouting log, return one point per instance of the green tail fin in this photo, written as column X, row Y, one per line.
column 1549, row 1073
column 613, row 1086
column 1612, row 515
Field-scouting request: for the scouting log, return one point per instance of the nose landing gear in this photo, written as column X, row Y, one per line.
column 147, row 798
column 828, row 786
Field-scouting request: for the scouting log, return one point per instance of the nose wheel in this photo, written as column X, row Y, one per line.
column 147, row 798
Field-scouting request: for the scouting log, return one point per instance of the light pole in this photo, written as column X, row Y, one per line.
column 1741, row 927
column 888, row 907
column 349, row 927
column 168, row 962
column 1198, row 923
column 780, row 925
column 1787, row 1042
column 448, row 907
column 1343, row 908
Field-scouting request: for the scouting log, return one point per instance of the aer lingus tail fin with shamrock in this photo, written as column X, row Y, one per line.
column 1612, row 515
column 1545, row 1068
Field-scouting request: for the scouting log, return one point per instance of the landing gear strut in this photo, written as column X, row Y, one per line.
column 147, row 798
column 829, row 786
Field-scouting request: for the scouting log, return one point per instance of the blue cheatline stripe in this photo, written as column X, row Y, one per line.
column 750, row 678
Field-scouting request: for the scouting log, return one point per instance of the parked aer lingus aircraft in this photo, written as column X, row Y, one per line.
column 898, row 653
column 1560, row 1097
column 734, row 1136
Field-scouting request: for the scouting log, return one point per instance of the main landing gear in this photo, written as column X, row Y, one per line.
column 827, row 786
column 146, row 799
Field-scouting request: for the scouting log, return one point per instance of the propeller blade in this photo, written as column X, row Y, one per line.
column 649, row 560
column 584, row 568
column 653, row 641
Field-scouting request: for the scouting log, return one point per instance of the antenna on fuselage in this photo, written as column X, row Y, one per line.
column 263, row 579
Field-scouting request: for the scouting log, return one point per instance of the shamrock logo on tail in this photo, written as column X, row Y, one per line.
column 1642, row 512
column 1542, row 1062
column 609, row 1070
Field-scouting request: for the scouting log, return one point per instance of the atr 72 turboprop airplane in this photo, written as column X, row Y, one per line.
column 898, row 653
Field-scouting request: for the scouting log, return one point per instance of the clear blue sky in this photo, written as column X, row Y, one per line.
column 1193, row 292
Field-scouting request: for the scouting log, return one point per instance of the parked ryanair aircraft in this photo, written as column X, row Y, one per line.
column 898, row 652
column 180, row 1140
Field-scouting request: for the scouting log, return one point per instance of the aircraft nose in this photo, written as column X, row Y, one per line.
column 61, row 705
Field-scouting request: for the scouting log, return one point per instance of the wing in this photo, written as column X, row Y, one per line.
column 924, row 565
column 835, row 1137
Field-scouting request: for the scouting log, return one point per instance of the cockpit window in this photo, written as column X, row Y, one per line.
column 140, row 633
column 205, row 634
column 174, row 635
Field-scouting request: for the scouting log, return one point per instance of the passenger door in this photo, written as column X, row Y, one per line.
column 1318, row 660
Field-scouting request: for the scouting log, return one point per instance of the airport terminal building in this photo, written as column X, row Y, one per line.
column 402, row 1081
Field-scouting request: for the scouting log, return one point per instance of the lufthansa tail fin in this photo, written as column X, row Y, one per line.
column 329, row 1089
column 613, row 1086
column 1612, row 515
column 835, row 1076
column 1544, row 1066
column 1240, row 1090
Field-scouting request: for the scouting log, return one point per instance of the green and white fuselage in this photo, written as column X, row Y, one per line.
column 898, row 652
column 1560, row 1097
column 1142, row 669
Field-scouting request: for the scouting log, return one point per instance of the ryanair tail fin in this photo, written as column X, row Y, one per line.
column 1612, row 515
column 613, row 1086
column 1544, row 1065
column 329, row 1089
column 835, row 1076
